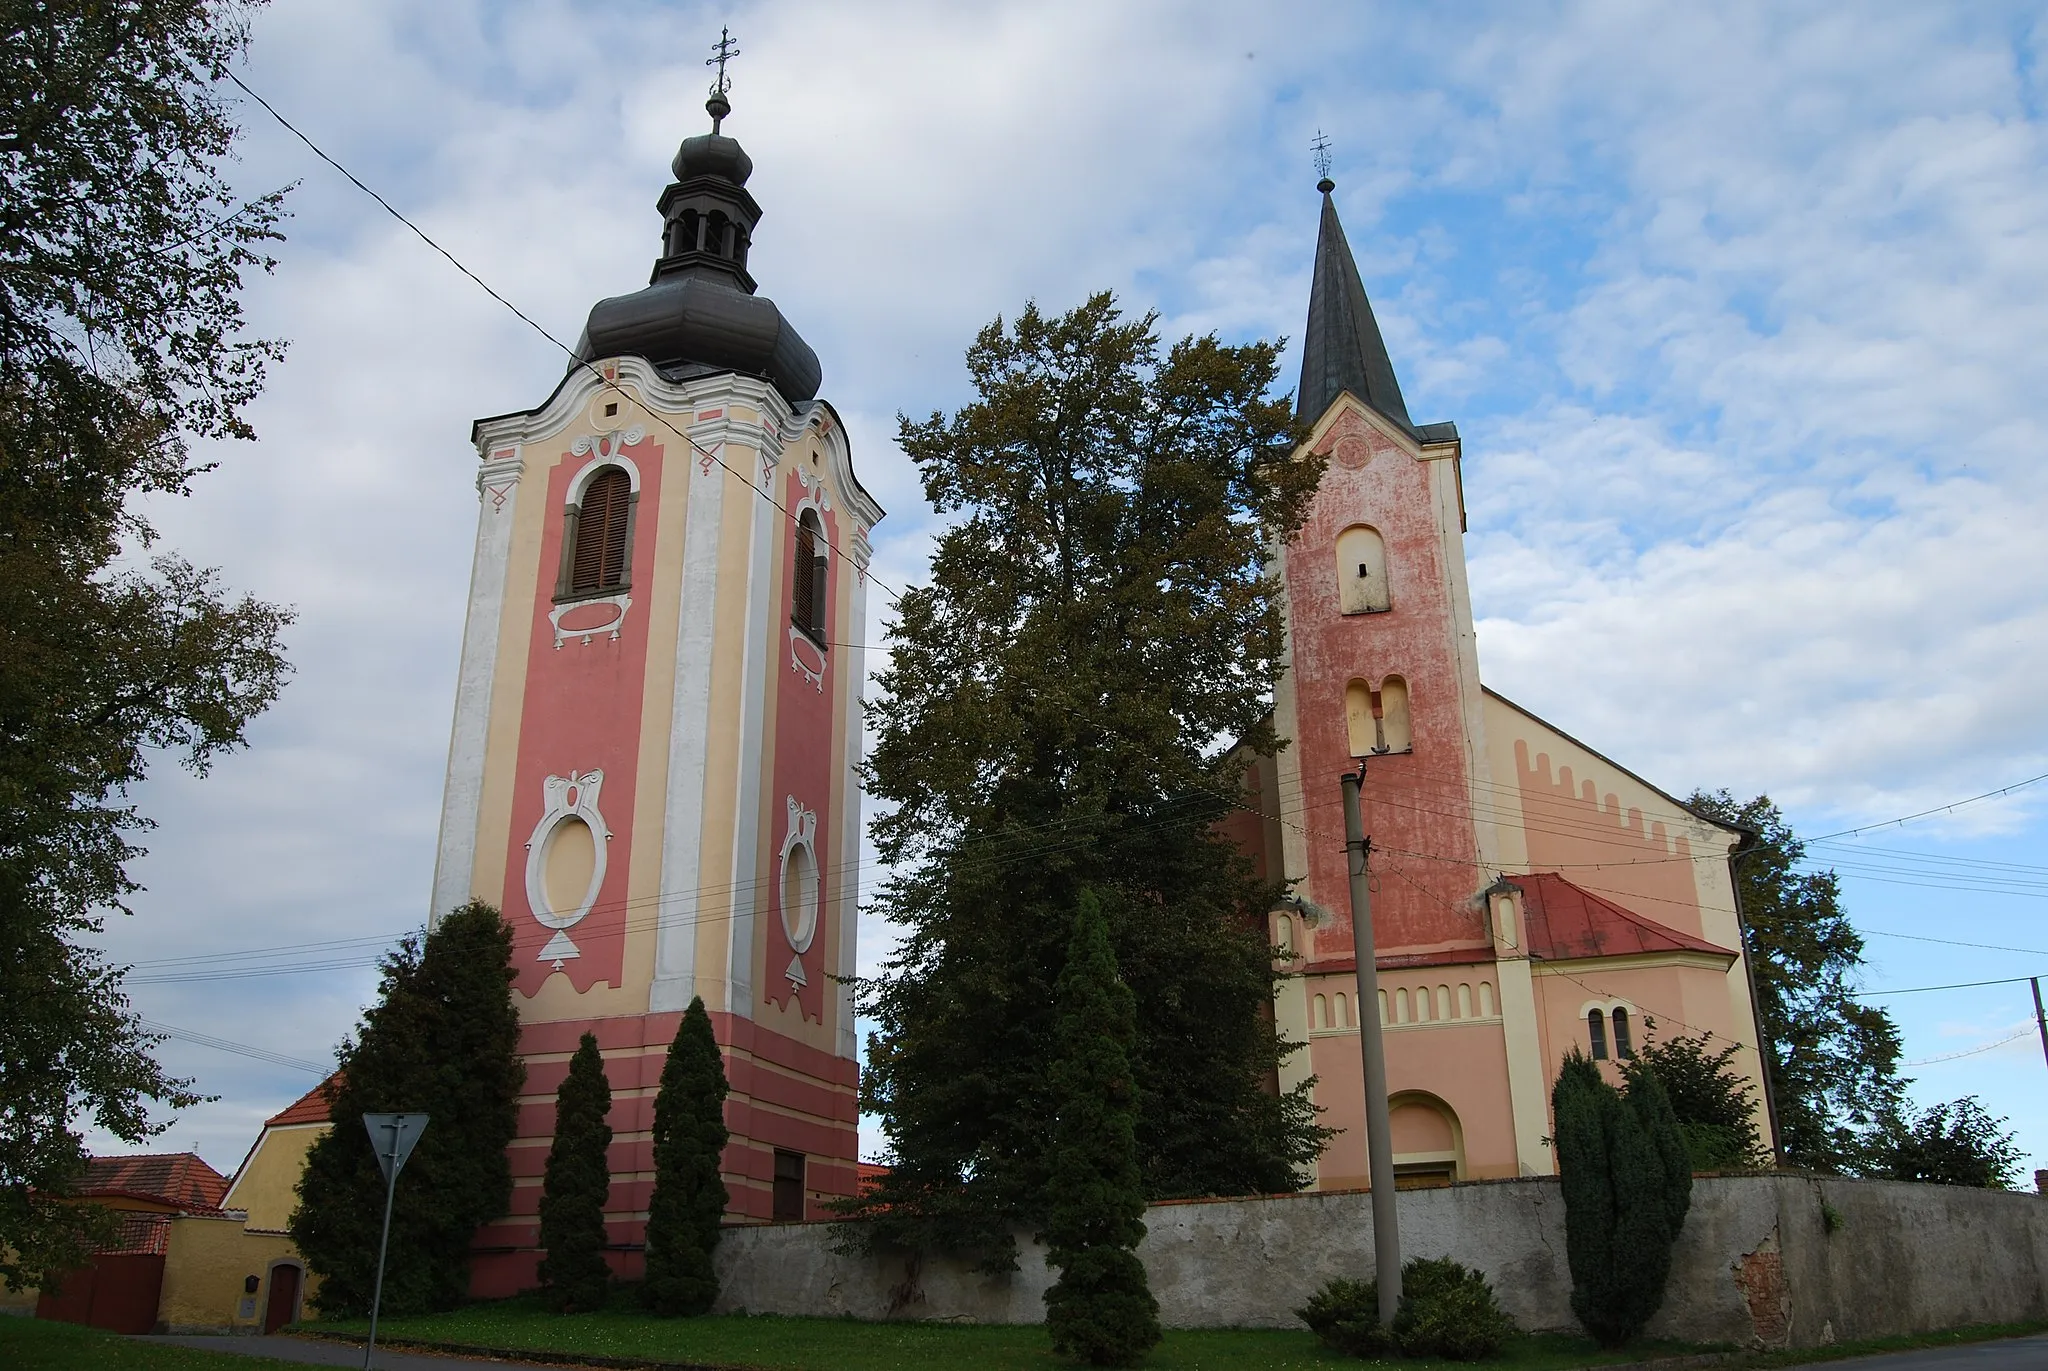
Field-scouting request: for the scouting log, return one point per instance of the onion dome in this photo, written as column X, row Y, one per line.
column 699, row 312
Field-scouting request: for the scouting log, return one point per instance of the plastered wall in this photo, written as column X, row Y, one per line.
column 1756, row 1265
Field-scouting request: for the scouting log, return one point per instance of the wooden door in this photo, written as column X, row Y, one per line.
column 284, row 1298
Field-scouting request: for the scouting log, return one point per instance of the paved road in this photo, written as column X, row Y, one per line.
column 2012, row 1354
column 320, row 1352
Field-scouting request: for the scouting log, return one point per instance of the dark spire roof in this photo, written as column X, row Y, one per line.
column 1342, row 348
column 699, row 313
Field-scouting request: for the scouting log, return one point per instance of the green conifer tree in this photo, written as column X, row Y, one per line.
column 1622, row 1202
column 442, row 1039
column 577, row 1184
column 689, row 1196
column 1643, row 1088
column 1100, row 1310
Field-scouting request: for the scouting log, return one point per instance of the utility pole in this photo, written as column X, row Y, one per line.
column 393, row 1136
column 2040, row 1019
column 1379, row 1143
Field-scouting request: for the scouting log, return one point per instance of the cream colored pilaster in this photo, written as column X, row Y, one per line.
column 1526, row 1093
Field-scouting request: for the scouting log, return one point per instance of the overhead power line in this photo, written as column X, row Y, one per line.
column 261, row 1054
column 895, row 596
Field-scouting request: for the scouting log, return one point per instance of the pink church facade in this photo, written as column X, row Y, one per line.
column 1531, row 895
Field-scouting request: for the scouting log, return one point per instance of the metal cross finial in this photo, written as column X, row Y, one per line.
column 1321, row 148
column 722, row 52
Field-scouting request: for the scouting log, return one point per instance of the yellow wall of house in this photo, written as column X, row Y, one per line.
column 207, row 1263
column 267, row 1185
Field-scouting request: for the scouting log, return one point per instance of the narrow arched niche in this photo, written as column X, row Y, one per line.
column 1362, row 571
column 1396, row 733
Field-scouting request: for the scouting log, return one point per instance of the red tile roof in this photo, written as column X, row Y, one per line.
column 1568, row 922
column 176, row 1178
column 311, row 1107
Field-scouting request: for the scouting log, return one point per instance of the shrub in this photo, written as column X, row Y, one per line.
column 1712, row 1100
column 1345, row 1314
column 1447, row 1310
column 1958, row 1143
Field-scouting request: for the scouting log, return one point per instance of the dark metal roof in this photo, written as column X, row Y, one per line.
column 1342, row 348
column 695, row 324
column 699, row 313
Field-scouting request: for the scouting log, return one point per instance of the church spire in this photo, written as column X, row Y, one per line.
column 1342, row 348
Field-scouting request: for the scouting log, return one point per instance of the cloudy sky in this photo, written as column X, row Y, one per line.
column 1739, row 309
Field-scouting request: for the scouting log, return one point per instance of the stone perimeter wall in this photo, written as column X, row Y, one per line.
column 1757, row 1263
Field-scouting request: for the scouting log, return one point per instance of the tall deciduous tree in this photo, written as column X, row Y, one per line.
column 688, row 1203
column 1099, row 623
column 1100, row 1310
column 443, row 1040
column 576, row 1184
column 122, row 250
column 1834, row 1058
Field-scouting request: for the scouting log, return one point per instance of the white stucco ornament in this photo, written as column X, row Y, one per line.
column 608, row 446
column 798, row 887
column 565, row 798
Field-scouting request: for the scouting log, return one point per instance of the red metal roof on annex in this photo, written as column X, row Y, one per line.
column 1567, row 922
column 176, row 1178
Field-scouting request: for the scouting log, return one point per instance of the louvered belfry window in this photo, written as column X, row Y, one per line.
column 600, row 557
column 807, row 579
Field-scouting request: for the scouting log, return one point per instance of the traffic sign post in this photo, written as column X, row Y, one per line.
column 392, row 1137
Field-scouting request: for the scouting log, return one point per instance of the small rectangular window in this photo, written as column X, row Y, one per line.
column 789, row 1186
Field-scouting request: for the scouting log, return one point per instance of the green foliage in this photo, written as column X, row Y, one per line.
column 1958, row 1143
column 1097, row 618
column 577, row 1183
column 1345, row 1314
column 1627, row 1185
column 1714, row 1103
column 1100, row 1310
column 121, row 339
column 1447, row 1310
column 689, row 1195
column 442, row 1039
column 1834, row 1058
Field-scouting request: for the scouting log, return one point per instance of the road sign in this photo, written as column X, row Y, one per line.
column 393, row 1136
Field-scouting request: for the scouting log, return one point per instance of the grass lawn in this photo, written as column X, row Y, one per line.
column 41, row 1345
column 774, row 1343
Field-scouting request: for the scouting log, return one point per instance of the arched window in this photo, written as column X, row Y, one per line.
column 1622, row 1047
column 1395, row 732
column 597, row 535
column 807, row 578
column 687, row 224
column 1362, row 571
column 715, row 225
column 1596, row 1029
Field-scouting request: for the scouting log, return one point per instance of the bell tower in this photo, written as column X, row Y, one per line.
column 658, row 718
